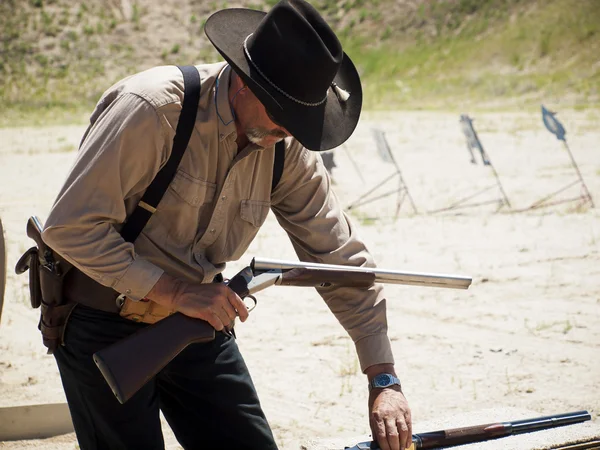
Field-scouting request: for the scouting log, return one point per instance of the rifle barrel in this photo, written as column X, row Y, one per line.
column 259, row 265
column 539, row 423
column 478, row 433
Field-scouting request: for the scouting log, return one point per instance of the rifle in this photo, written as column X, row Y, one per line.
column 478, row 433
column 129, row 364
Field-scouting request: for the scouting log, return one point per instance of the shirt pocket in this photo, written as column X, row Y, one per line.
column 252, row 215
column 193, row 191
column 186, row 202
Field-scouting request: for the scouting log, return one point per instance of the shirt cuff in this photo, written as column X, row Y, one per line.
column 139, row 279
column 374, row 349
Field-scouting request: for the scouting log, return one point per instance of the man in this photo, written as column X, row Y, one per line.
column 285, row 75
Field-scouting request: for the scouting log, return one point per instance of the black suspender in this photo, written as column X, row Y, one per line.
column 187, row 118
column 278, row 164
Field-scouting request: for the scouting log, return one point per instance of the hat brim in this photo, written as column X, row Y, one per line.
column 317, row 128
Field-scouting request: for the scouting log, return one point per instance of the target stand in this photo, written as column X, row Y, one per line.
column 400, row 190
column 474, row 146
column 555, row 127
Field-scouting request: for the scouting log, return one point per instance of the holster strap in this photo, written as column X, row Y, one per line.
column 52, row 324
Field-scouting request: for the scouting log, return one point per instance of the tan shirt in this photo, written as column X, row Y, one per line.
column 213, row 208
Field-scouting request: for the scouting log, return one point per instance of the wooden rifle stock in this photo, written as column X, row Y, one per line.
column 129, row 364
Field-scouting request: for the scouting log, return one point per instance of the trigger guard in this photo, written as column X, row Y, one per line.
column 251, row 297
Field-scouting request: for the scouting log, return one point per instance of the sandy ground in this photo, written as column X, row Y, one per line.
column 525, row 335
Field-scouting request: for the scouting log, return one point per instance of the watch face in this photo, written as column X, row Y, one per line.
column 383, row 380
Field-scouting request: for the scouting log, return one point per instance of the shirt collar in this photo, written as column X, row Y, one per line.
column 224, row 116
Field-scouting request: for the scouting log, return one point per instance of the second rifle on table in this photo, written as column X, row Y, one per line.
column 129, row 364
column 479, row 433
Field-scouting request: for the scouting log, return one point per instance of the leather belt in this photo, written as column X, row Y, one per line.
column 79, row 288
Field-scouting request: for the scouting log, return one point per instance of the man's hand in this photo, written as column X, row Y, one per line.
column 389, row 416
column 389, row 413
column 213, row 302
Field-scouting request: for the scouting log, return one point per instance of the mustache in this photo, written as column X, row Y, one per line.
column 259, row 133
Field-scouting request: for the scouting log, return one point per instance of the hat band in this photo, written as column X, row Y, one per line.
column 301, row 102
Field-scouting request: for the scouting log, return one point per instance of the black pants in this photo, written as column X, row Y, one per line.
column 206, row 393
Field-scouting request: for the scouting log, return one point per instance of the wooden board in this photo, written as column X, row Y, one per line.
column 2, row 268
column 34, row 421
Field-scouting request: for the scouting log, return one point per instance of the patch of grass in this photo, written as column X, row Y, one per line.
column 347, row 371
column 563, row 325
column 362, row 218
column 545, row 42
column 135, row 14
column 509, row 387
column 387, row 33
column 51, row 113
column 464, row 69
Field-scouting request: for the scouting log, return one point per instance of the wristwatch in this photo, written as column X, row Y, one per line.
column 383, row 380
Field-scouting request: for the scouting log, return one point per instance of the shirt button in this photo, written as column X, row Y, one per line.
column 212, row 230
column 224, row 197
column 128, row 291
column 221, row 135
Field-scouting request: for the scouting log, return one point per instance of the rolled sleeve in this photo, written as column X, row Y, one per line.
column 310, row 213
column 139, row 278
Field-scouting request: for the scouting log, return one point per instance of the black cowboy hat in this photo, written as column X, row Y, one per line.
column 294, row 64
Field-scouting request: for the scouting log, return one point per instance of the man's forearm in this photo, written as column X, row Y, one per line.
column 164, row 291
